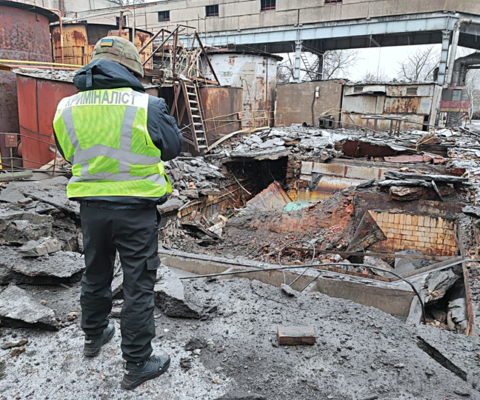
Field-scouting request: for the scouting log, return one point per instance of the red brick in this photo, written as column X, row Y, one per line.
column 295, row 335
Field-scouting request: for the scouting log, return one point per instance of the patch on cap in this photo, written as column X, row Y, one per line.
column 106, row 43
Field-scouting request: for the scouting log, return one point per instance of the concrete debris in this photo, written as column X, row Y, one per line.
column 437, row 284
column 18, row 226
column 378, row 262
column 170, row 296
column 242, row 396
column 196, row 343
column 19, row 309
column 60, row 267
column 17, row 351
column 288, row 290
column 404, row 265
column 40, row 247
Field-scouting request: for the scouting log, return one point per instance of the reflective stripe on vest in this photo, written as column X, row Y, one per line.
column 123, row 155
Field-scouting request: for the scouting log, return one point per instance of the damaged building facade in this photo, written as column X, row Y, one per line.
column 320, row 242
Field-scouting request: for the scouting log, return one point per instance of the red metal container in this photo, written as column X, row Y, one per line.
column 38, row 99
column 24, row 35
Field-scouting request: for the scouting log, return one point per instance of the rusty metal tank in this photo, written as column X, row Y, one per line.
column 38, row 99
column 79, row 40
column 24, row 35
column 256, row 73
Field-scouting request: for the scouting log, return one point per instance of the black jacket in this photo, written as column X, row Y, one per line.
column 105, row 74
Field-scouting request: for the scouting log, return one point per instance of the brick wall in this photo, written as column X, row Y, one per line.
column 429, row 235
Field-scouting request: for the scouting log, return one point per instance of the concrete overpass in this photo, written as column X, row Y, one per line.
column 280, row 26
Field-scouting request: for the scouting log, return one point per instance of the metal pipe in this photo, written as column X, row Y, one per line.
column 61, row 31
column 453, row 50
column 120, row 24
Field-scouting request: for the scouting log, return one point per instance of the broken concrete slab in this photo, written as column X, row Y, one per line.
column 50, row 191
column 40, row 247
column 60, row 267
column 437, row 284
column 170, row 297
column 379, row 263
column 172, row 204
column 404, row 265
column 18, row 226
column 20, row 310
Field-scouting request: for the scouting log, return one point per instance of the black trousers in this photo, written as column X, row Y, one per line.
column 134, row 233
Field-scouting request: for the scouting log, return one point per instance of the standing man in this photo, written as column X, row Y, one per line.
column 116, row 136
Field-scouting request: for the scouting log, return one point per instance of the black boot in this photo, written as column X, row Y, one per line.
column 137, row 373
column 94, row 344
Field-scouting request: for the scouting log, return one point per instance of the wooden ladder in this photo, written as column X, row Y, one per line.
column 197, row 123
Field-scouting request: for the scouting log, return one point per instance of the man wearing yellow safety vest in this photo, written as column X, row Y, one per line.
column 116, row 136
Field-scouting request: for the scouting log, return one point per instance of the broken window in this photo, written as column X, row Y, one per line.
column 163, row 16
column 358, row 89
column 412, row 90
column 212, row 11
column 268, row 5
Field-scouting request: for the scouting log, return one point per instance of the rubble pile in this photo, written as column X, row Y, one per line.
column 241, row 203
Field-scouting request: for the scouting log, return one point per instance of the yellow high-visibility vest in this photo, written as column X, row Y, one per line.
column 104, row 135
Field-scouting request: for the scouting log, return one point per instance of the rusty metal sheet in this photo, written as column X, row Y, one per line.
column 257, row 75
column 407, row 105
column 327, row 187
column 37, row 103
column 357, row 148
column 272, row 198
column 25, row 35
column 221, row 108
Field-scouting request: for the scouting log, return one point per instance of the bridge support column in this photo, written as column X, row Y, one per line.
column 298, row 60
column 442, row 71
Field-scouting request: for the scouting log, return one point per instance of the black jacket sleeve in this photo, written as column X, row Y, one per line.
column 163, row 129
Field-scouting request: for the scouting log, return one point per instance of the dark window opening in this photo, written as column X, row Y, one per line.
column 268, row 5
column 124, row 22
column 412, row 90
column 212, row 11
column 333, row 1
column 358, row 89
column 163, row 16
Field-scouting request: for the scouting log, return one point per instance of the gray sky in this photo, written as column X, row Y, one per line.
column 384, row 59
